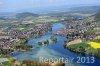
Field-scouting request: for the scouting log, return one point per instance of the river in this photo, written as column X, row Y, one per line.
column 53, row 50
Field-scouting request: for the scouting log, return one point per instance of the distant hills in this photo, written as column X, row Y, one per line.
column 63, row 8
column 85, row 9
column 82, row 10
column 97, row 16
column 26, row 14
column 19, row 16
column 59, row 11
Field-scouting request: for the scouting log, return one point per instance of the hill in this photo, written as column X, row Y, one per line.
column 97, row 16
column 26, row 14
column 80, row 10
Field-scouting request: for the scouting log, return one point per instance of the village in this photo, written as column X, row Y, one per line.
column 84, row 37
column 16, row 35
column 79, row 32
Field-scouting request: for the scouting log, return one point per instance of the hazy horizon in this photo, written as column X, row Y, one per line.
column 17, row 5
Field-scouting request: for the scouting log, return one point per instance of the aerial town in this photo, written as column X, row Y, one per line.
column 27, row 36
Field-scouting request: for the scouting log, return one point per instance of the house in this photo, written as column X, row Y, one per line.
column 3, row 60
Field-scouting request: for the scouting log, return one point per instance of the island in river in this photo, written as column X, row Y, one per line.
column 73, row 39
column 52, row 50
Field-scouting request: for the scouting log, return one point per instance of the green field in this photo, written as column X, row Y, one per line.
column 79, row 45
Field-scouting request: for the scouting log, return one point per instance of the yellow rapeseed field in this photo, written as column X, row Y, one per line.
column 94, row 44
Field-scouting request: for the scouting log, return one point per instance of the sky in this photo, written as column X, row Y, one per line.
column 14, row 5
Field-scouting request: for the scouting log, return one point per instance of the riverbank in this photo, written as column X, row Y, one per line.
column 52, row 50
column 91, row 48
